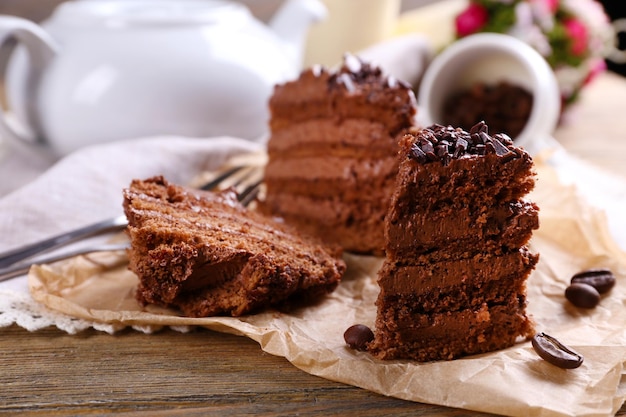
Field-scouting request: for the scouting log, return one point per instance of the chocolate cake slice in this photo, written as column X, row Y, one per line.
column 205, row 254
column 333, row 152
column 454, row 278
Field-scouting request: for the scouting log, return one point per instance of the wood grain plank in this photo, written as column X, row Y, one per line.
column 202, row 372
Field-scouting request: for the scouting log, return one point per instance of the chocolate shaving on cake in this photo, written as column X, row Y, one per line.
column 480, row 127
column 444, row 143
column 501, row 150
column 418, row 154
column 317, row 70
column 345, row 80
column 352, row 63
column 356, row 71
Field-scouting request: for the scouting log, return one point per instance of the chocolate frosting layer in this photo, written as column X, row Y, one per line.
column 462, row 230
column 357, row 89
column 413, row 281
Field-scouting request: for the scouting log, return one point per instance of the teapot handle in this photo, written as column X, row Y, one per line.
column 616, row 54
column 41, row 50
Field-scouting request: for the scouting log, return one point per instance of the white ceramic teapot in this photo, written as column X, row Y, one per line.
column 102, row 70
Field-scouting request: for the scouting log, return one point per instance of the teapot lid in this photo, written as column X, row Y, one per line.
column 148, row 12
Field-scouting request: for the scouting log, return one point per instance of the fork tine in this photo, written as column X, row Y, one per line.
column 249, row 193
column 221, row 178
column 238, row 180
column 248, row 185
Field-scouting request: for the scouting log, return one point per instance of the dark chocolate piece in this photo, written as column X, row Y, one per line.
column 442, row 143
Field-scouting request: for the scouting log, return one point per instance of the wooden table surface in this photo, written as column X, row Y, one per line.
column 50, row 373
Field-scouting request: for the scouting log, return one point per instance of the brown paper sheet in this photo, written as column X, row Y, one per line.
column 515, row 381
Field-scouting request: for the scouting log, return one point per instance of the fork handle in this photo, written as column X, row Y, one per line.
column 22, row 268
column 13, row 256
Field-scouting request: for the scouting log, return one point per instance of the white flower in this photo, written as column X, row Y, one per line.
column 542, row 14
column 570, row 78
column 523, row 15
column 534, row 37
column 526, row 30
column 587, row 10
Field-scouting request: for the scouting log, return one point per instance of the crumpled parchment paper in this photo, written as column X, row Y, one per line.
column 573, row 236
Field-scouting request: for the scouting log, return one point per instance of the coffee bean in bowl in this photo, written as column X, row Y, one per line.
column 556, row 353
column 505, row 107
column 358, row 336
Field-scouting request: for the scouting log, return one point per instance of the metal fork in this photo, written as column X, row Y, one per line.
column 244, row 179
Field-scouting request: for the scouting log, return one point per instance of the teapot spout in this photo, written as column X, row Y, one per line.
column 291, row 23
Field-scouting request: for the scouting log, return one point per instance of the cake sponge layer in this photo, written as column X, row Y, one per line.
column 205, row 254
column 332, row 178
column 450, row 335
column 334, row 219
column 471, row 181
column 357, row 90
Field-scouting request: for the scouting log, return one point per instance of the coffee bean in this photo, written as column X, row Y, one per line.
column 358, row 336
column 582, row 295
column 600, row 279
column 556, row 353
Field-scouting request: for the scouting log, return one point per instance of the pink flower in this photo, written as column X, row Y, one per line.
column 596, row 68
column 549, row 6
column 543, row 13
column 577, row 33
column 552, row 5
column 471, row 20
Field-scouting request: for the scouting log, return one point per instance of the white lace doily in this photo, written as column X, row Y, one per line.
column 19, row 308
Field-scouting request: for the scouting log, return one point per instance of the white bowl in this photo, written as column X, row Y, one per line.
column 491, row 58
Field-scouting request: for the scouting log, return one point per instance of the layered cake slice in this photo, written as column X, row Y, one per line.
column 454, row 278
column 205, row 254
column 333, row 152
